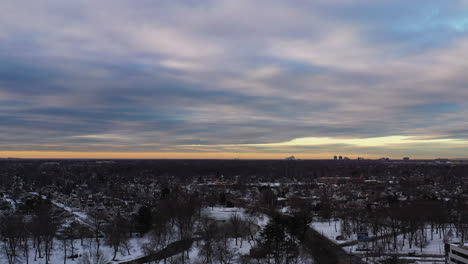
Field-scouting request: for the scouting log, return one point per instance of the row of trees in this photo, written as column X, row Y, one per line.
column 403, row 225
column 35, row 234
column 20, row 234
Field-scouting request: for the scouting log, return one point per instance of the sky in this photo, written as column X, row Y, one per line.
column 233, row 78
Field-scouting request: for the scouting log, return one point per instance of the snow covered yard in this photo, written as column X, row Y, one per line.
column 328, row 229
column 433, row 251
column 225, row 213
column 195, row 254
column 89, row 246
column 434, row 246
column 334, row 228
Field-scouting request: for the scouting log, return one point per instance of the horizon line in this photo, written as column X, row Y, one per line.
column 198, row 155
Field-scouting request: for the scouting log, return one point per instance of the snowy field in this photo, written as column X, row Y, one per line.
column 57, row 256
column 225, row 213
column 196, row 257
column 328, row 230
column 333, row 229
column 239, row 250
column 431, row 252
column 136, row 244
column 434, row 246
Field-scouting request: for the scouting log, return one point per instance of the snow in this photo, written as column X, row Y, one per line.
column 136, row 250
column 136, row 245
column 431, row 259
column 328, row 230
column 12, row 203
column 433, row 251
column 284, row 210
column 267, row 184
column 433, row 247
column 225, row 213
column 240, row 251
column 81, row 216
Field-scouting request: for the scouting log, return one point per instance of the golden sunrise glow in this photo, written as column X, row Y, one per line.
column 278, row 150
column 360, row 142
column 170, row 155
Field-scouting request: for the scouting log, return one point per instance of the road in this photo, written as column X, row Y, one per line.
column 167, row 252
column 324, row 251
column 79, row 216
column 374, row 238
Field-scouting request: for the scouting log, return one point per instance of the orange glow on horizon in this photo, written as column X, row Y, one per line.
column 171, row 155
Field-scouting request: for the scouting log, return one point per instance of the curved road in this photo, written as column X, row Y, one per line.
column 324, row 251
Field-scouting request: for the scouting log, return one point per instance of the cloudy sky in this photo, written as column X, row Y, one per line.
column 234, row 78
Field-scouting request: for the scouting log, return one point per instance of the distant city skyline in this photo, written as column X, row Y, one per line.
column 234, row 79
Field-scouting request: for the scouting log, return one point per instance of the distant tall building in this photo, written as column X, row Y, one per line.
column 340, row 158
column 335, row 157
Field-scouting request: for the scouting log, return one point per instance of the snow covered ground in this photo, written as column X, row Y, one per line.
column 12, row 203
column 432, row 252
column 225, row 213
column 333, row 229
column 57, row 256
column 328, row 229
column 80, row 216
column 195, row 257
column 137, row 243
column 432, row 260
column 433, row 247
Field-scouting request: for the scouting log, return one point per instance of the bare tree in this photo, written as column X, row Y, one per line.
column 91, row 253
column 97, row 218
column 225, row 253
column 117, row 233
column 25, row 234
column 236, row 223
column 44, row 227
column 68, row 242
column 185, row 207
column 251, row 229
column 11, row 236
column 209, row 231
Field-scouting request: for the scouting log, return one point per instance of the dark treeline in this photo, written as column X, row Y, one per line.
column 34, row 171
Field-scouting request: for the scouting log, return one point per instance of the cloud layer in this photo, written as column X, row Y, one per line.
column 234, row 76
